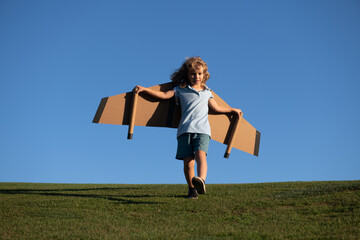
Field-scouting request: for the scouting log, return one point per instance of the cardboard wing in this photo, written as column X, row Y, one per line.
column 143, row 110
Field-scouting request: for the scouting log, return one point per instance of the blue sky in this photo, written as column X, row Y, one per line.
column 291, row 66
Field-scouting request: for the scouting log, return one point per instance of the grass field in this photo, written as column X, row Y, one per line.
column 291, row 210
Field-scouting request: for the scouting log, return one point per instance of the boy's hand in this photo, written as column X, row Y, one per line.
column 237, row 111
column 138, row 89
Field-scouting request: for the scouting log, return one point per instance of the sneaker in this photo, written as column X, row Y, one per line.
column 199, row 184
column 192, row 194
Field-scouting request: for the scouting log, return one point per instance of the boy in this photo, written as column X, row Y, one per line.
column 194, row 131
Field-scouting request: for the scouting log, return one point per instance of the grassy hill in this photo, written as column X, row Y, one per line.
column 290, row 210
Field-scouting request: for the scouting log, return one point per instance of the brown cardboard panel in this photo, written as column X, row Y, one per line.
column 100, row 110
column 165, row 113
column 257, row 143
column 234, row 128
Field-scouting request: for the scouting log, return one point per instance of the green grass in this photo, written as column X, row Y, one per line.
column 291, row 210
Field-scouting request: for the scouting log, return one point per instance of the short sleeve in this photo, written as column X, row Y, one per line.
column 176, row 95
column 210, row 94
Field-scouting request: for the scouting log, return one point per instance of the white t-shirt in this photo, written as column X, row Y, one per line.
column 194, row 110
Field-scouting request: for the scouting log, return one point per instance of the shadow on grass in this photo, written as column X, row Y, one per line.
column 123, row 199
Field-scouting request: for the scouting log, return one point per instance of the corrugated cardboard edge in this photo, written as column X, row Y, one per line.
column 100, row 110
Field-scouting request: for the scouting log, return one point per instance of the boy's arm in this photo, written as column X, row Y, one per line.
column 157, row 94
column 222, row 109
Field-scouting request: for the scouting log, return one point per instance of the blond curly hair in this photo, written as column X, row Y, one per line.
column 180, row 76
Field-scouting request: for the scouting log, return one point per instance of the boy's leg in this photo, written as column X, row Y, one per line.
column 199, row 182
column 189, row 172
column 200, row 157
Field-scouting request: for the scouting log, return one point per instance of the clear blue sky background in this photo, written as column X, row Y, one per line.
column 293, row 67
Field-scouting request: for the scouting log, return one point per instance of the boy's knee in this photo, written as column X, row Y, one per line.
column 189, row 163
column 200, row 152
column 200, row 155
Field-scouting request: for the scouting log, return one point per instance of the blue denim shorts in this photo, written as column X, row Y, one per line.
column 190, row 143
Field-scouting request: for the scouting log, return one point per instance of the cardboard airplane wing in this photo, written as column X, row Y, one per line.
column 143, row 110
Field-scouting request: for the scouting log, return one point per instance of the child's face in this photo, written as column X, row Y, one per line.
column 196, row 76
